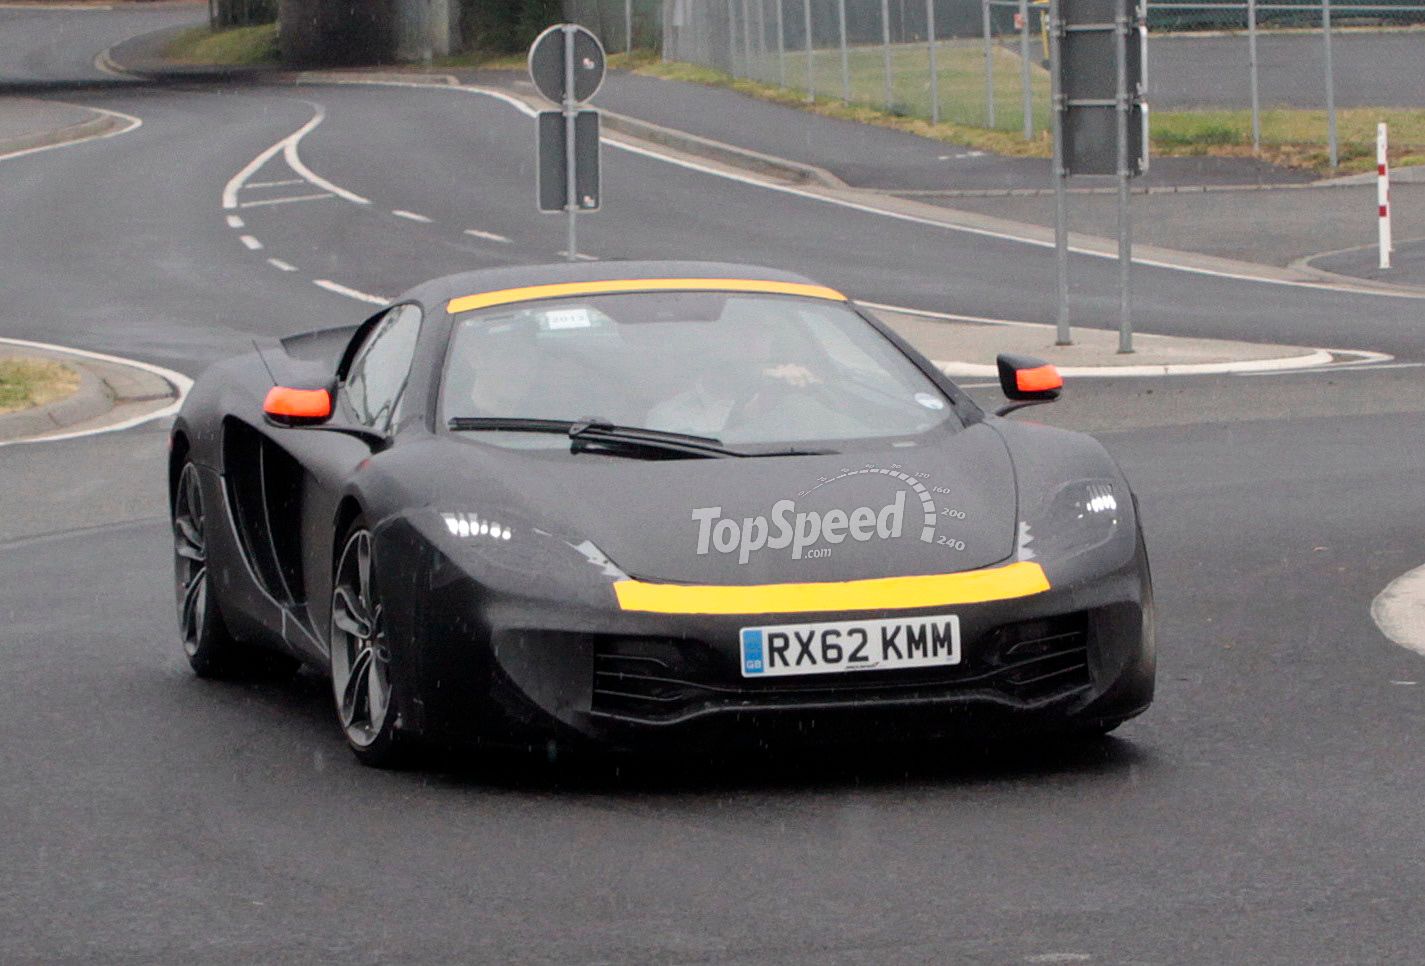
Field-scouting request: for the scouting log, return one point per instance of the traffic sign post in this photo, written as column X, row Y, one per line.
column 1097, row 53
column 567, row 65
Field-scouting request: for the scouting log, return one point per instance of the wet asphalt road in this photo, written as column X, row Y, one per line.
column 1266, row 809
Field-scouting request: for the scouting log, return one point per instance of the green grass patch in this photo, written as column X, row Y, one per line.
column 233, row 47
column 1294, row 138
column 34, row 382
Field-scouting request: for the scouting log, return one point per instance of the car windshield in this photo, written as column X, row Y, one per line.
column 741, row 368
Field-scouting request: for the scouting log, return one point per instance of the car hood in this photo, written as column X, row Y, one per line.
column 944, row 506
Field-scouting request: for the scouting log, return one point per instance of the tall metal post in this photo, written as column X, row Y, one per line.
column 1024, row 77
column 1330, row 84
column 934, row 70
column 989, row 64
column 746, row 41
column 628, row 25
column 761, row 45
column 811, row 51
column 886, row 48
column 1122, row 24
column 571, row 158
column 1252, row 63
column 781, row 47
column 1060, row 175
column 731, row 37
column 845, row 60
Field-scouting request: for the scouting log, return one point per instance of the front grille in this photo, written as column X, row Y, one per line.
column 661, row 679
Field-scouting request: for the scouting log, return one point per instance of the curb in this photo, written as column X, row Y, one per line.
column 130, row 392
column 84, row 130
column 793, row 171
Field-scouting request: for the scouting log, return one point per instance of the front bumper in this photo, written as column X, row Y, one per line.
column 507, row 667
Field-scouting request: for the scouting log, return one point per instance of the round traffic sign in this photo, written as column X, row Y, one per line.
column 547, row 64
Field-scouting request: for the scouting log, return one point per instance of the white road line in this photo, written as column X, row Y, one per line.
column 350, row 293
column 235, row 222
column 252, row 243
column 287, row 147
column 1399, row 610
column 563, row 253
column 266, row 202
column 411, row 216
column 180, row 383
column 1338, row 368
column 273, row 184
column 487, row 235
column 279, row 263
column 133, row 123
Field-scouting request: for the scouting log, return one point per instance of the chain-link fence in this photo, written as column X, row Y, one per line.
column 621, row 24
column 1241, row 72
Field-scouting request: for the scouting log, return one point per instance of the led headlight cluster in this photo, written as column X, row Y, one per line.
column 470, row 525
column 1080, row 516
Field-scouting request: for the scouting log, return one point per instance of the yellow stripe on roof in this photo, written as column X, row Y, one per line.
column 1021, row 579
column 506, row 296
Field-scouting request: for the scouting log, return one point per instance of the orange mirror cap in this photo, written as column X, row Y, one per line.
column 284, row 402
column 1039, row 379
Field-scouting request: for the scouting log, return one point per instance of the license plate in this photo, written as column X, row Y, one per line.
column 784, row 649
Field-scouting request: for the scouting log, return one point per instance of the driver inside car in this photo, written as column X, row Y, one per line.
column 746, row 378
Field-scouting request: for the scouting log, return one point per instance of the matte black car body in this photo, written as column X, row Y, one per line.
column 525, row 638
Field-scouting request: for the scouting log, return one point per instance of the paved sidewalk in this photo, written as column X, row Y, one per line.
column 865, row 155
column 27, row 123
column 968, row 349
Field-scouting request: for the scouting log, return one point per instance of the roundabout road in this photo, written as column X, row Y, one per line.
column 1264, row 810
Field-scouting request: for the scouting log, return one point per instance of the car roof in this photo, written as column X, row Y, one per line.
column 440, row 291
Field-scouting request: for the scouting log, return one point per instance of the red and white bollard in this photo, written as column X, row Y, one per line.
column 1383, row 195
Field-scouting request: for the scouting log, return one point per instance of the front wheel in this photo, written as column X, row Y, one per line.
column 361, row 658
column 211, row 649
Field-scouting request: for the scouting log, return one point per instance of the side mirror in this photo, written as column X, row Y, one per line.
column 1027, row 381
column 287, row 406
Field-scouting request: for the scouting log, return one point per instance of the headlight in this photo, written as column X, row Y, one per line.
column 1079, row 517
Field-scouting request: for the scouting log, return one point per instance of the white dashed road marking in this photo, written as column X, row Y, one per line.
column 252, row 243
column 411, row 216
column 234, row 221
column 487, row 235
column 350, row 293
column 279, row 263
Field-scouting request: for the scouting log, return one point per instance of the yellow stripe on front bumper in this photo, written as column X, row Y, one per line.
column 1021, row 579
column 618, row 286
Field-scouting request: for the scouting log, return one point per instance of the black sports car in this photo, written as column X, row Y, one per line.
column 628, row 501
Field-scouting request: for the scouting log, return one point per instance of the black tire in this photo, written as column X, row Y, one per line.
column 366, row 700
column 211, row 649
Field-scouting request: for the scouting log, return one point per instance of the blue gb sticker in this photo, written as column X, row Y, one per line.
column 752, row 651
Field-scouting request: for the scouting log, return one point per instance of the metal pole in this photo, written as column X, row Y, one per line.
column 628, row 25
column 1122, row 24
column 761, row 39
column 934, row 70
column 571, row 157
column 886, row 47
column 1330, row 83
column 845, row 61
column 732, row 37
column 781, row 47
column 1252, row 61
column 1383, row 194
column 989, row 66
column 1024, row 70
column 1060, row 176
column 747, row 42
column 811, row 52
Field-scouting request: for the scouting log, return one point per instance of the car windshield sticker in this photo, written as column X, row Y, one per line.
column 567, row 319
column 929, row 401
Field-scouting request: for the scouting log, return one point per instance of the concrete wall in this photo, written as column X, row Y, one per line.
column 331, row 33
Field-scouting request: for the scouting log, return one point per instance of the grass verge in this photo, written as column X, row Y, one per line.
column 34, row 382
column 233, row 47
column 1293, row 138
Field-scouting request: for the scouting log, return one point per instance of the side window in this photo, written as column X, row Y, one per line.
column 376, row 382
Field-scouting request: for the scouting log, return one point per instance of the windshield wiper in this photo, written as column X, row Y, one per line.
column 584, row 433
column 587, row 432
